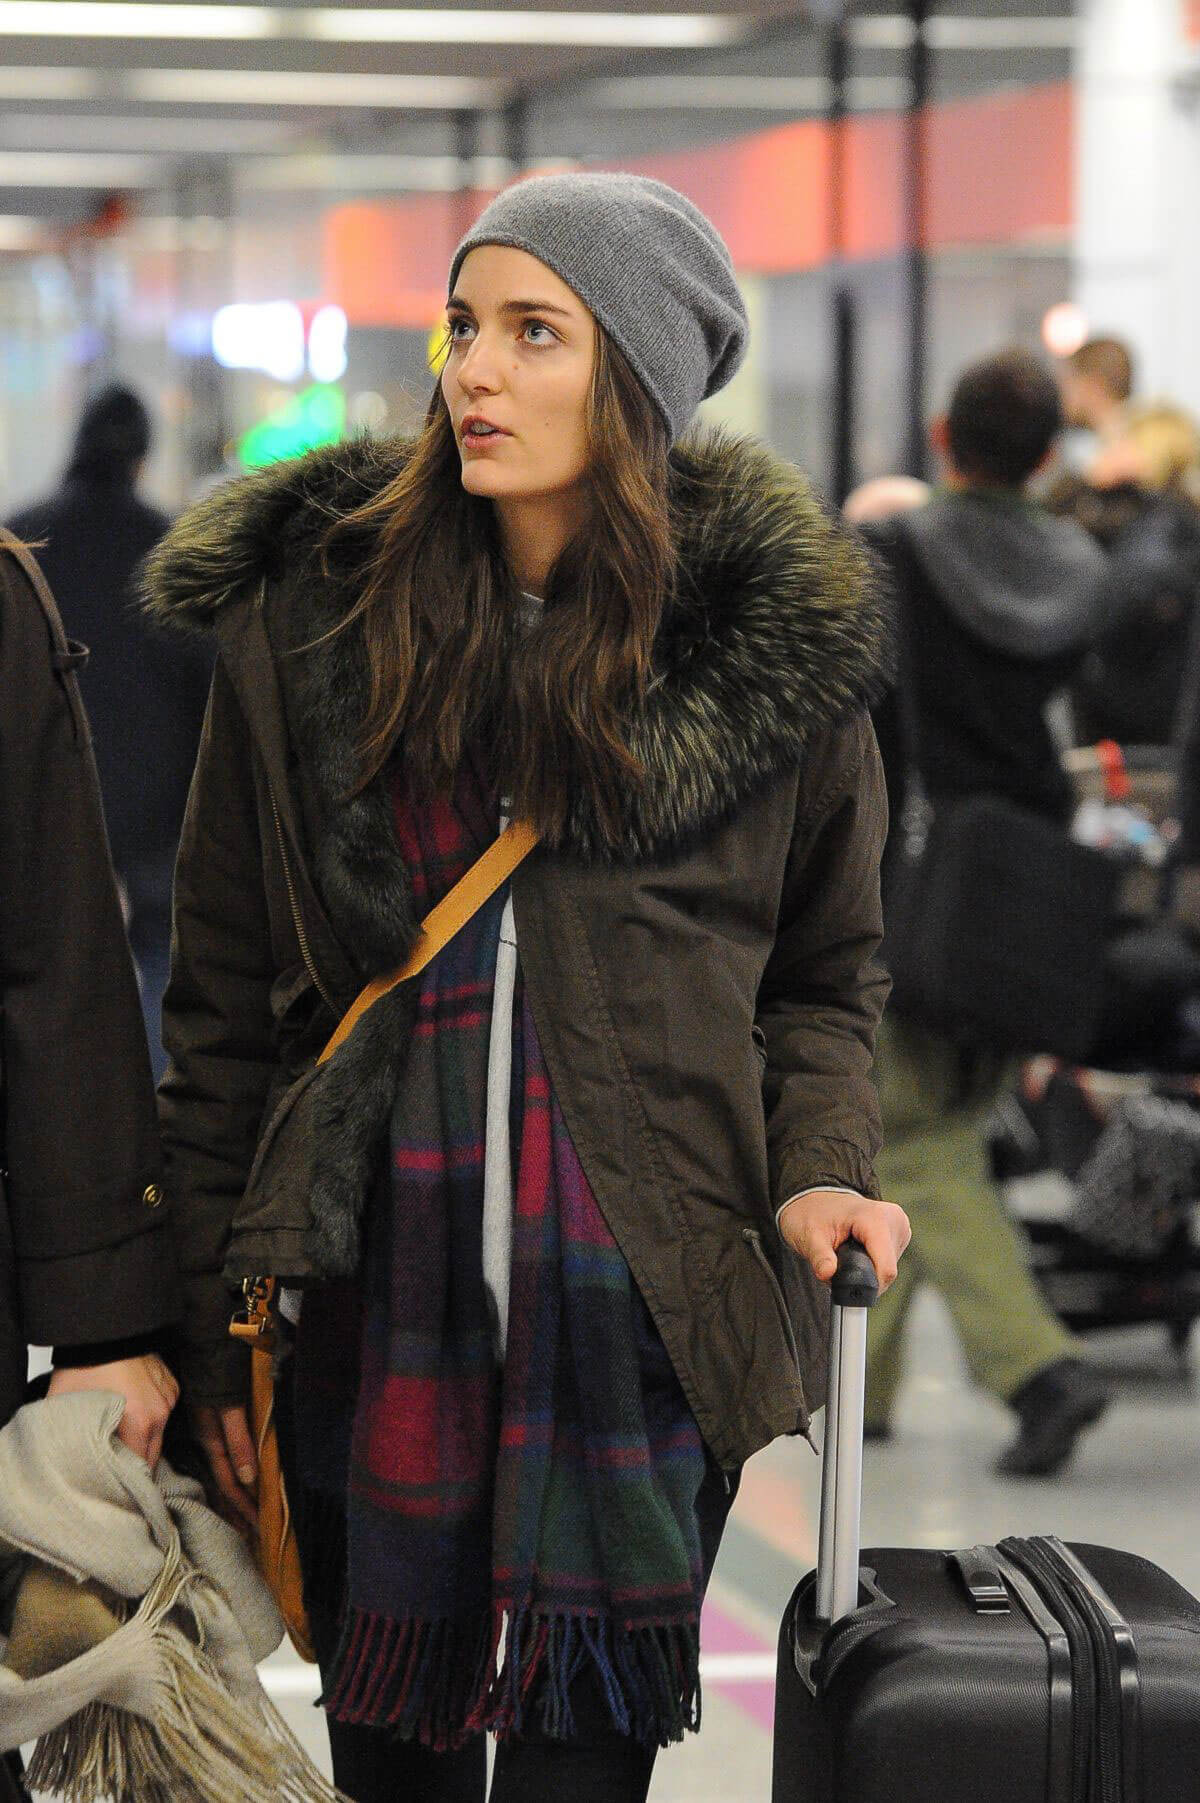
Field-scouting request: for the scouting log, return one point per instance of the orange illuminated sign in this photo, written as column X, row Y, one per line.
column 1191, row 21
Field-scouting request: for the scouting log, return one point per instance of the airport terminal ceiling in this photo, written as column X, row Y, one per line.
column 160, row 162
column 332, row 100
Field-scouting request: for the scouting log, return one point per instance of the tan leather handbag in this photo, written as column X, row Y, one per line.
column 277, row 1553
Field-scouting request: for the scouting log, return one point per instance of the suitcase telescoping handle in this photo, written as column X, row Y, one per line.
column 855, row 1289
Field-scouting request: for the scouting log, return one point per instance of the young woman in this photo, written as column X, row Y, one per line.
column 546, row 1310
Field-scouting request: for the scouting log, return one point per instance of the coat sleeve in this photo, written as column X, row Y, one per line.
column 218, row 1033
column 823, row 991
column 91, row 1236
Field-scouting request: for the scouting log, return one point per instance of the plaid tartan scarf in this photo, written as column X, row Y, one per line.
column 506, row 1528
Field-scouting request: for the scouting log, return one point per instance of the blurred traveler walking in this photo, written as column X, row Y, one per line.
column 997, row 602
column 1139, row 500
column 86, row 1256
column 1096, row 383
column 144, row 690
column 540, row 1182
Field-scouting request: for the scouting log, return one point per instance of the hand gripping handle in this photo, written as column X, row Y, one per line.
column 855, row 1289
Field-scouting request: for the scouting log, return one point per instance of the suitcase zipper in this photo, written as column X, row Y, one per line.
column 1100, row 1758
column 1059, row 1748
column 1024, row 1555
column 1113, row 1636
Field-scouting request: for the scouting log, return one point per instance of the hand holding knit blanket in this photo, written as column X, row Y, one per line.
column 134, row 1618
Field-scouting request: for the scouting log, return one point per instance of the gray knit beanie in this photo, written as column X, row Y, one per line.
column 647, row 263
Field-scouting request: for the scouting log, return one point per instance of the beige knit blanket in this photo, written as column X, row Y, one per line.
column 131, row 1621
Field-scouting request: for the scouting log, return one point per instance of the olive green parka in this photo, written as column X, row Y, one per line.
column 704, row 986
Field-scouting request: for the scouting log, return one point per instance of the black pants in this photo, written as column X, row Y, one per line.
column 597, row 1766
column 12, row 1788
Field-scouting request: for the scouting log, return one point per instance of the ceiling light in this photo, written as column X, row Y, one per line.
column 48, row 84
column 137, row 19
column 1004, row 33
column 743, row 93
column 738, row 93
column 1064, row 328
column 117, row 19
column 946, row 31
column 382, row 174
column 141, row 136
column 287, row 87
column 327, row 360
column 633, row 31
column 71, row 169
column 19, row 232
column 881, row 31
column 266, row 335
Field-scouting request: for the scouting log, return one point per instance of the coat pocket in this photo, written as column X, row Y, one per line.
column 271, row 1227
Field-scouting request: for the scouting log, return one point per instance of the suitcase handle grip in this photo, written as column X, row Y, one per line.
column 855, row 1284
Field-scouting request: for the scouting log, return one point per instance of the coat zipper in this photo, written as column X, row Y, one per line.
column 297, row 918
column 753, row 1239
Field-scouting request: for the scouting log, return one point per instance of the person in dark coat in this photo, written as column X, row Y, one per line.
column 144, row 691
column 997, row 603
column 575, row 1189
column 87, row 1259
column 1138, row 501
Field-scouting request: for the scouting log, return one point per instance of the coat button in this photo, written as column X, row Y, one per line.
column 152, row 1195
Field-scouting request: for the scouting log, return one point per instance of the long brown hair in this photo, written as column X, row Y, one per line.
column 440, row 614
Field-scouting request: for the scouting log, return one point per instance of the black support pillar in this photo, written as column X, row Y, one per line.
column 841, row 293
column 916, row 208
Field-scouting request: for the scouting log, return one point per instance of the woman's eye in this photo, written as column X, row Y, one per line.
column 544, row 333
column 457, row 330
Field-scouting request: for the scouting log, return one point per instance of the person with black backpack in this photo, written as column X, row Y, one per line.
column 997, row 604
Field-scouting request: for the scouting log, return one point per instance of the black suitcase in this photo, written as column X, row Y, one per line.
column 1024, row 1673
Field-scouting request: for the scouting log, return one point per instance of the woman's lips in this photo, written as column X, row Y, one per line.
column 474, row 440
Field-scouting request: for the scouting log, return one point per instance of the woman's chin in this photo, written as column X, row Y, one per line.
column 479, row 477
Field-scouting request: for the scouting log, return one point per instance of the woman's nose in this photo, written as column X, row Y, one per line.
column 478, row 370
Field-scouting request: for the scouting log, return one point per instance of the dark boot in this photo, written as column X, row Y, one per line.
column 1053, row 1407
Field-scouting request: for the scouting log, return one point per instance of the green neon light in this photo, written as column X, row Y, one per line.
column 314, row 417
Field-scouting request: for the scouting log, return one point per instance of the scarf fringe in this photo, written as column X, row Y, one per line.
column 437, row 1681
column 202, row 1742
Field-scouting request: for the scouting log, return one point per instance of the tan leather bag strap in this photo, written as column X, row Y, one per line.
column 437, row 929
column 444, row 921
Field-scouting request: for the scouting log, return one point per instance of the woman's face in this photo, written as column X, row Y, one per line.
column 522, row 350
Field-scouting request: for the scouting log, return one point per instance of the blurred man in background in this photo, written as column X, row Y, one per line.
column 145, row 694
column 997, row 603
column 1097, row 384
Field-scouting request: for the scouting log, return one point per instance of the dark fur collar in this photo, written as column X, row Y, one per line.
column 776, row 634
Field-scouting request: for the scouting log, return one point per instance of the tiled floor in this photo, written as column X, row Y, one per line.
column 1135, row 1483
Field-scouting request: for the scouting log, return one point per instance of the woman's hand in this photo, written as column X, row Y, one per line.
column 150, row 1393
column 224, row 1434
column 815, row 1226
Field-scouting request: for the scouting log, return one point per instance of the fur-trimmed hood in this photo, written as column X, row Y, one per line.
column 776, row 632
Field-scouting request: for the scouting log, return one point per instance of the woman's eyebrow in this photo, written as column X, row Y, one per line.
column 534, row 306
column 512, row 306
